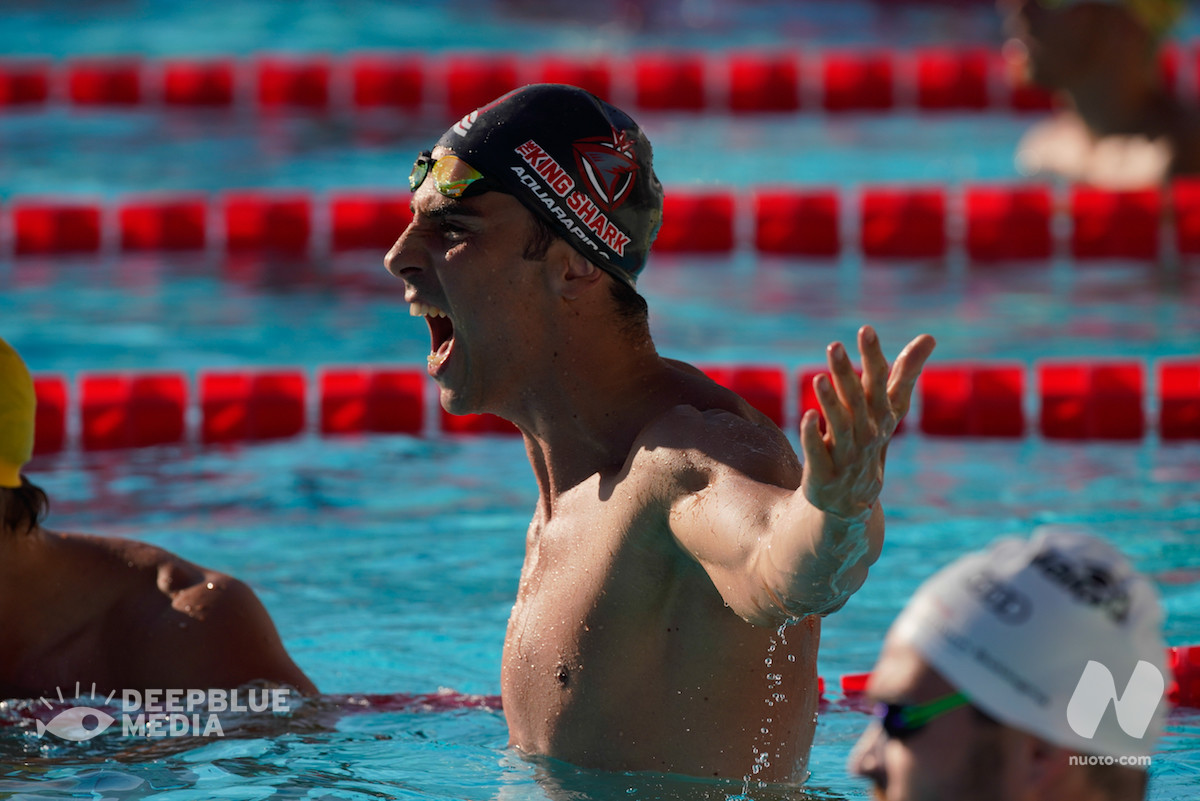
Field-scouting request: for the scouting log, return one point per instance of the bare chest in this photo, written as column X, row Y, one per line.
column 586, row 571
column 597, row 580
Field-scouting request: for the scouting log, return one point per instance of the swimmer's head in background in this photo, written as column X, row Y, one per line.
column 1014, row 628
column 1158, row 16
column 579, row 163
column 17, row 406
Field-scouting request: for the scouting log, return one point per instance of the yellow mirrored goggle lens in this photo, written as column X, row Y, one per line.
column 451, row 175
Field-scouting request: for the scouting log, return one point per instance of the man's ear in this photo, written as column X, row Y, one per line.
column 575, row 275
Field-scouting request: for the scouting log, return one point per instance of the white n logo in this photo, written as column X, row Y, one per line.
column 1096, row 688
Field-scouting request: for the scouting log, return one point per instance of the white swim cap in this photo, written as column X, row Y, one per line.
column 1016, row 628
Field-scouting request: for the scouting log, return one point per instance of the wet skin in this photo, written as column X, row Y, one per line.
column 956, row 756
column 675, row 530
column 120, row 614
column 963, row 755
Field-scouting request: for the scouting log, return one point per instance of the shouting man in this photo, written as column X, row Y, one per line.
column 675, row 532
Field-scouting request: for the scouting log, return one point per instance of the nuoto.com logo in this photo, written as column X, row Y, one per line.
column 1097, row 689
column 156, row 713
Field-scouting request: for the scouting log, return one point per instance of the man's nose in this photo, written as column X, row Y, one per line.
column 866, row 759
column 403, row 255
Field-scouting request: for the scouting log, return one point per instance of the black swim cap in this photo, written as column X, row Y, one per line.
column 582, row 165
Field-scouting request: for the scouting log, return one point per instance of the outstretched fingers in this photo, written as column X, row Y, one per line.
column 854, row 427
column 875, row 375
column 861, row 413
column 818, row 462
column 906, row 371
column 843, row 469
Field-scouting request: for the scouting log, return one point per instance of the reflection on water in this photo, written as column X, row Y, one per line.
column 564, row 782
column 377, row 588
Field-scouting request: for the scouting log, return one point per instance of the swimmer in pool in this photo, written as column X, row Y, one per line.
column 1121, row 128
column 112, row 612
column 675, row 530
column 996, row 679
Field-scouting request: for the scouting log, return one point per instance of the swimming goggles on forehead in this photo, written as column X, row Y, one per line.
column 452, row 176
column 903, row 720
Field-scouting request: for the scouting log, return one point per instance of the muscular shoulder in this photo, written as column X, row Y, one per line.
column 154, row 579
column 203, row 628
column 227, row 633
column 696, row 443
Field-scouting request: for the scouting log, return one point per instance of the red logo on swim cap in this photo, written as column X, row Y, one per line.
column 464, row 125
column 608, row 167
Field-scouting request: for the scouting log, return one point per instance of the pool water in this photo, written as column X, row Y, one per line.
column 390, row 563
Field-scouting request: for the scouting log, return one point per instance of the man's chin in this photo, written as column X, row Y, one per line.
column 454, row 402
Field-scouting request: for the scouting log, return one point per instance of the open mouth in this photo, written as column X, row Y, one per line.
column 441, row 333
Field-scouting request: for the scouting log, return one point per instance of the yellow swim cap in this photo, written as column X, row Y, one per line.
column 1157, row 15
column 17, row 406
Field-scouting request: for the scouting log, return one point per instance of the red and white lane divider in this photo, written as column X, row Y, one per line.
column 875, row 80
column 984, row 223
column 1183, row 685
column 1074, row 401
column 1077, row 401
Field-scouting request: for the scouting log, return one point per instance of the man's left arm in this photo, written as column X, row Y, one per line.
column 776, row 553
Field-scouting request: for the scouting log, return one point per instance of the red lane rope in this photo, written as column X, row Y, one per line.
column 1183, row 688
column 928, row 79
column 1072, row 400
column 984, row 223
column 1183, row 665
